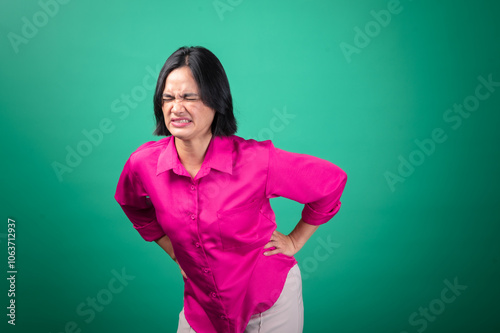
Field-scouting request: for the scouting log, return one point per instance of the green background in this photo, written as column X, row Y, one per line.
column 394, row 248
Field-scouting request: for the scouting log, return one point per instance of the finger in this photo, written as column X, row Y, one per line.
column 270, row 253
column 269, row 247
column 271, row 243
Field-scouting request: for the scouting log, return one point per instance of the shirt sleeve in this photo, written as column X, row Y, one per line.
column 309, row 180
column 137, row 205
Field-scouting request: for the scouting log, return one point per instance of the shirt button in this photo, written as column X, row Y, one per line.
column 206, row 270
column 193, row 216
column 197, row 244
column 213, row 295
column 223, row 317
column 193, row 187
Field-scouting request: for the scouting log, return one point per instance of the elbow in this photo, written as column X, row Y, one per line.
column 339, row 178
column 342, row 180
column 343, row 177
column 337, row 185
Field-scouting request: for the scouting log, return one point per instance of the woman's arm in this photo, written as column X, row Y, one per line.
column 136, row 204
column 312, row 181
column 166, row 245
column 292, row 243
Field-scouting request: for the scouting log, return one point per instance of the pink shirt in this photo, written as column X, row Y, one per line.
column 220, row 221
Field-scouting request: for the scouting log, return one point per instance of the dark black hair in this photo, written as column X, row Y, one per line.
column 212, row 83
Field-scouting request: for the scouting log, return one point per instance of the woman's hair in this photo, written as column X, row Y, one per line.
column 212, row 83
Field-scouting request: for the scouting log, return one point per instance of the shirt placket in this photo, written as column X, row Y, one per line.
column 205, row 278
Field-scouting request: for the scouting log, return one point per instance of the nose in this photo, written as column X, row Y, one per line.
column 177, row 105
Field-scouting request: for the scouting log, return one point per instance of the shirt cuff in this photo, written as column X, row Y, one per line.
column 311, row 216
column 151, row 231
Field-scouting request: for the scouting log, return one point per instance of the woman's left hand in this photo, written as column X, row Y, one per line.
column 283, row 244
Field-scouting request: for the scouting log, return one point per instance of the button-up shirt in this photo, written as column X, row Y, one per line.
column 220, row 220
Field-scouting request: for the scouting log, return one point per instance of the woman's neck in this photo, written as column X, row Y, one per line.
column 192, row 152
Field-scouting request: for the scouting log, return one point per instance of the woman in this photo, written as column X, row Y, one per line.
column 202, row 193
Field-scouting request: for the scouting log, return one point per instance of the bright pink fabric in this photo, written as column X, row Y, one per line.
column 220, row 221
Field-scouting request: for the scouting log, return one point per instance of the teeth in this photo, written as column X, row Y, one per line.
column 182, row 121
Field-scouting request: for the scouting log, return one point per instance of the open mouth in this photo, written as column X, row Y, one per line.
column 182, row 122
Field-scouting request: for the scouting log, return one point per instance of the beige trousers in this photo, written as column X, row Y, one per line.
column 285, row 316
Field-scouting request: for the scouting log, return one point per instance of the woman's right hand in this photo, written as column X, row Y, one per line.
column 166, row 245
column 182, row 271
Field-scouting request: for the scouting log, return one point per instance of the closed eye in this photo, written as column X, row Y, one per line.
column 191, row 97
column 187, row 97
column 167, row 98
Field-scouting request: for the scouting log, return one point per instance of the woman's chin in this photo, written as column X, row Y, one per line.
column 181, row 133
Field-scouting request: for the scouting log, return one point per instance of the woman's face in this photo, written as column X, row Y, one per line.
column 186, row 117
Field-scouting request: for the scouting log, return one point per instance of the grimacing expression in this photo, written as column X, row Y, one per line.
column 186, row 116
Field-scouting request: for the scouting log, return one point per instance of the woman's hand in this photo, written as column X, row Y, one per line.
column 182, row 271
column 292, row 243
column 283, row 244
column 166, row 245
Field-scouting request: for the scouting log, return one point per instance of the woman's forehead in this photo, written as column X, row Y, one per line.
column 180, row 80
column 180, row 88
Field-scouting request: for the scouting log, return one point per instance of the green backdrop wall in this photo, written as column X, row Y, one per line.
column 403, row 95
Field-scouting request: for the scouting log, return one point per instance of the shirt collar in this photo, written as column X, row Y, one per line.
column 219, row 156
